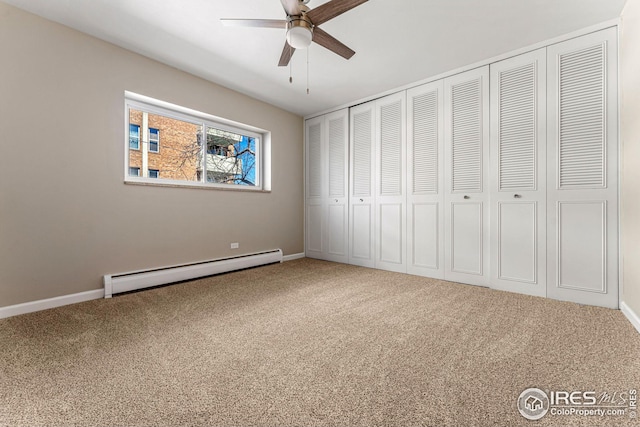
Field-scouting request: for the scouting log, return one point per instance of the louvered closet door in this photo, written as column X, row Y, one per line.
column 518, row 174
column 466, row 121
column 582, row 170
column 337, row 232
column 390, row 200
column 361, row 187
column 316, row 188
column 425, row 197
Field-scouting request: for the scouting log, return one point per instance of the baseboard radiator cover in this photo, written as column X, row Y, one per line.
column 131, row 281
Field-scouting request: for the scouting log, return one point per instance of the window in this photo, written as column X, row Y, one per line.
column 197, row 149
column 134, row 171
column 154, row 140
column 134, row 137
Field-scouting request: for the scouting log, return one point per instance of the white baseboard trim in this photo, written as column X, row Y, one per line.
column 631, row 315
column 45, row 304
column 292, row 257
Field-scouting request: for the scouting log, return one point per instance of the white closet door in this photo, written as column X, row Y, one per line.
column 390, row 175
column 337, row 147
column 361, row 188
column 425, row 197
column 466, row 106
column 315, row 191
column 518, row 174
column 582, row 170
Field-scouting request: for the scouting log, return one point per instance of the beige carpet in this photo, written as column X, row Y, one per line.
column 309, row 343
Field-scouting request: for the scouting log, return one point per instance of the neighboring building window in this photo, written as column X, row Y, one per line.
column 134, row 171
column 134, row 137
column 154, row 140
column 197, row 149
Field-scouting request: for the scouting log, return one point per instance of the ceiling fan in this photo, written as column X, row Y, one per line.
column 302, row 26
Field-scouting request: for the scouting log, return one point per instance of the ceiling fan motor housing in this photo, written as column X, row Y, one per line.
column 300, row 31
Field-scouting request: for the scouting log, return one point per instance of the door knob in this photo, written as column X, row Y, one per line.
column 336, row 200
column 361, row 200
column 467, row 197
column 517, row 196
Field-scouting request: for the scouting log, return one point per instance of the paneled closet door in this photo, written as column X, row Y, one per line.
column 316, row 190
column 425, row 187
column 362, row 185
column 583, row 170
column 390, row 201
column 518, row 174
column 466, row 151
column 337, row 147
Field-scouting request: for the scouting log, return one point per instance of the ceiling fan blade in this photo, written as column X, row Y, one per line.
column 332, row 9
column 292, row 7
column 334, row 45
column 256, row 23
column 287, row 53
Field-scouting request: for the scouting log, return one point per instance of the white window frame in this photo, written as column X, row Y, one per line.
column 173, row 111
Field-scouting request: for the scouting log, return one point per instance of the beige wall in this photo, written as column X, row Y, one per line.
column 66, row 217
column 630, row 135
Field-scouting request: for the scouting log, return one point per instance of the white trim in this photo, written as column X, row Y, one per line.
column 293, row 256
column 591, row 29
column 177, row 112
column 304, row 185
column 45, row 304
column 631, row 315
column 164, row 107
column 620, row 164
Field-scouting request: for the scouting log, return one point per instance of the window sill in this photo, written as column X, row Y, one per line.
column 198, row 185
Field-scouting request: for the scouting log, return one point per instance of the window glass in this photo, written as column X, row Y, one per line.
column 231, row 158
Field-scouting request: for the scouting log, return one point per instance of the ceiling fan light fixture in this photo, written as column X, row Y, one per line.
column 299, row 35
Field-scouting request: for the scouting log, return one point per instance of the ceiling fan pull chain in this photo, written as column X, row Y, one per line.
column 290, row 65
column 308, row 71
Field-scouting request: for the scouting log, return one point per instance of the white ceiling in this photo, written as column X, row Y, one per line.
column 396, row 42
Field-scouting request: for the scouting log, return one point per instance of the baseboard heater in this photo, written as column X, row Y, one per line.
column 125, row 282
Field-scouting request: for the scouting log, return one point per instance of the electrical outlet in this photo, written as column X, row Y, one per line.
column 235, row 245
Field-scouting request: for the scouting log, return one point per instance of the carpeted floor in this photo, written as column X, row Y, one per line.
column 310, row 343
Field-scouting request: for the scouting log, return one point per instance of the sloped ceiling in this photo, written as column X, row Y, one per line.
column 396, row 42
